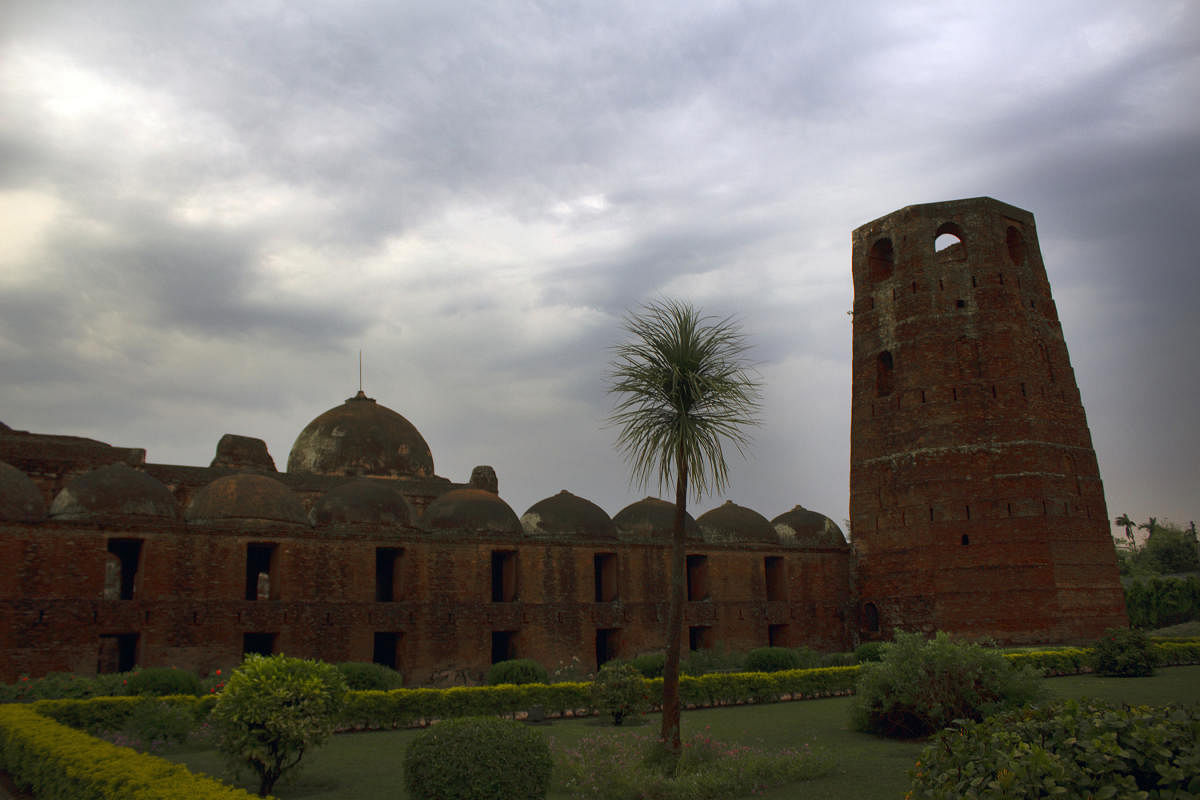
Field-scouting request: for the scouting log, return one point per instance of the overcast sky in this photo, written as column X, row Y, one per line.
column 207, row 211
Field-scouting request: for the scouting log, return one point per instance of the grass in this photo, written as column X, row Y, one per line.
column 367, row 765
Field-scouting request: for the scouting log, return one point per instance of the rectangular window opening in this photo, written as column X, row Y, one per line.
column 606, row 645
column 386, row 649
column 120, row 575
column 117, row 653
column 262, row 644
column 504, row 576
column 700, row 637
column 697, row 578
column 777, row 636
column 504, row 646
column 388, row 587
column 775, row 569
column 261, row 583
column 605, row 577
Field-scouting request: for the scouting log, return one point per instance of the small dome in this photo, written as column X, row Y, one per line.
column 116, row 489
column 803, row 528
column 471, row 510
column 733, row 523
column 651, row 519
column 366, row 501
column 567, row 514
column 246, row 496
column 361, row 437
column 20, row 498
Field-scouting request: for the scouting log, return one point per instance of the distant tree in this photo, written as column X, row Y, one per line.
column 1149, row 525
column 1170, row 550
column 1125, row 522
column 684, row 389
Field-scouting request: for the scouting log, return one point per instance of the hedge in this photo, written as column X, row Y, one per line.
column 56, row 762
column 399, row 708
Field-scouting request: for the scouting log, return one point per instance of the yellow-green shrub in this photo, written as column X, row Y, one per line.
column 56, row 762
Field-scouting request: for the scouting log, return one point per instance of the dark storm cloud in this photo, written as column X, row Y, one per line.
column 235, row 197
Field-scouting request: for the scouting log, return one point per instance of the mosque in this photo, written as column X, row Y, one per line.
column 976, row 507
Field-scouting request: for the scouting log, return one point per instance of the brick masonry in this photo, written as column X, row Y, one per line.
column 976, row 504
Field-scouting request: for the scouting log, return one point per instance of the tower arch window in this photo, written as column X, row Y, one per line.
column 1016, row 245
column 949, row 241
column 882, row 260
column 884, row 367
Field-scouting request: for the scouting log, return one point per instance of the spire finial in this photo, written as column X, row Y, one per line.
column 360, row 369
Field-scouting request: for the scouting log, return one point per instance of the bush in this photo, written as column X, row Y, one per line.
column 922, row 686
column 161, row 681
column 650, row 664
column 518, row 670
column 156, row 723
column 1123, row 653
column 478, row 758
column 1160, row 602
column 1065, row 749
column 620, row 690
column 715, row 659
column 869, row 651
column 52, row 760
column 774, row 659
column 361, row 676
column 273, row 710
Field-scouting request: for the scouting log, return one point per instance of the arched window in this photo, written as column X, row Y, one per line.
column 1016, row 245
column 882, row 260
column 949, row 241
column 883, row 374
column 870, row 618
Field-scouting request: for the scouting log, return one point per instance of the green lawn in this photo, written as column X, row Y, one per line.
column 368, row 765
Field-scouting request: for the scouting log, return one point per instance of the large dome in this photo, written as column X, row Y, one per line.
column 361, row 437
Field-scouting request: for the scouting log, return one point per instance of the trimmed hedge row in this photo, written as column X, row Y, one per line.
column 112, row 713
column 1175, row 652
column 56, row 762
column 399, row 708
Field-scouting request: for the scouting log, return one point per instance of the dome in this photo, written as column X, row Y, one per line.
column 20, row 498
column 365, row 501
column 567, row 514
column 733, row 523
column 651, row 519
column 246, row 496
column 471, row 510
column 803, row 528
column 116, row 489
column 361, row 437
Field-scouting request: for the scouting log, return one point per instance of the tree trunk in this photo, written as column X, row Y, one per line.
column 671, row 707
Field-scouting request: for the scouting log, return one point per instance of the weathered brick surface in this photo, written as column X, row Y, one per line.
column 976, row 504
column 189, row 608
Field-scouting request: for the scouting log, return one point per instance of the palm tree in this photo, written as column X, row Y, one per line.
column 1148, row 526
column 684, row 388
column 1125, row 522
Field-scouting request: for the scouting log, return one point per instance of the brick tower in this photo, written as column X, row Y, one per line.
column 976, row 505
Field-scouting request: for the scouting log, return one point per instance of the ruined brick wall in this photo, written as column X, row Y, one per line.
column 188, row 604
column 976, row 504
